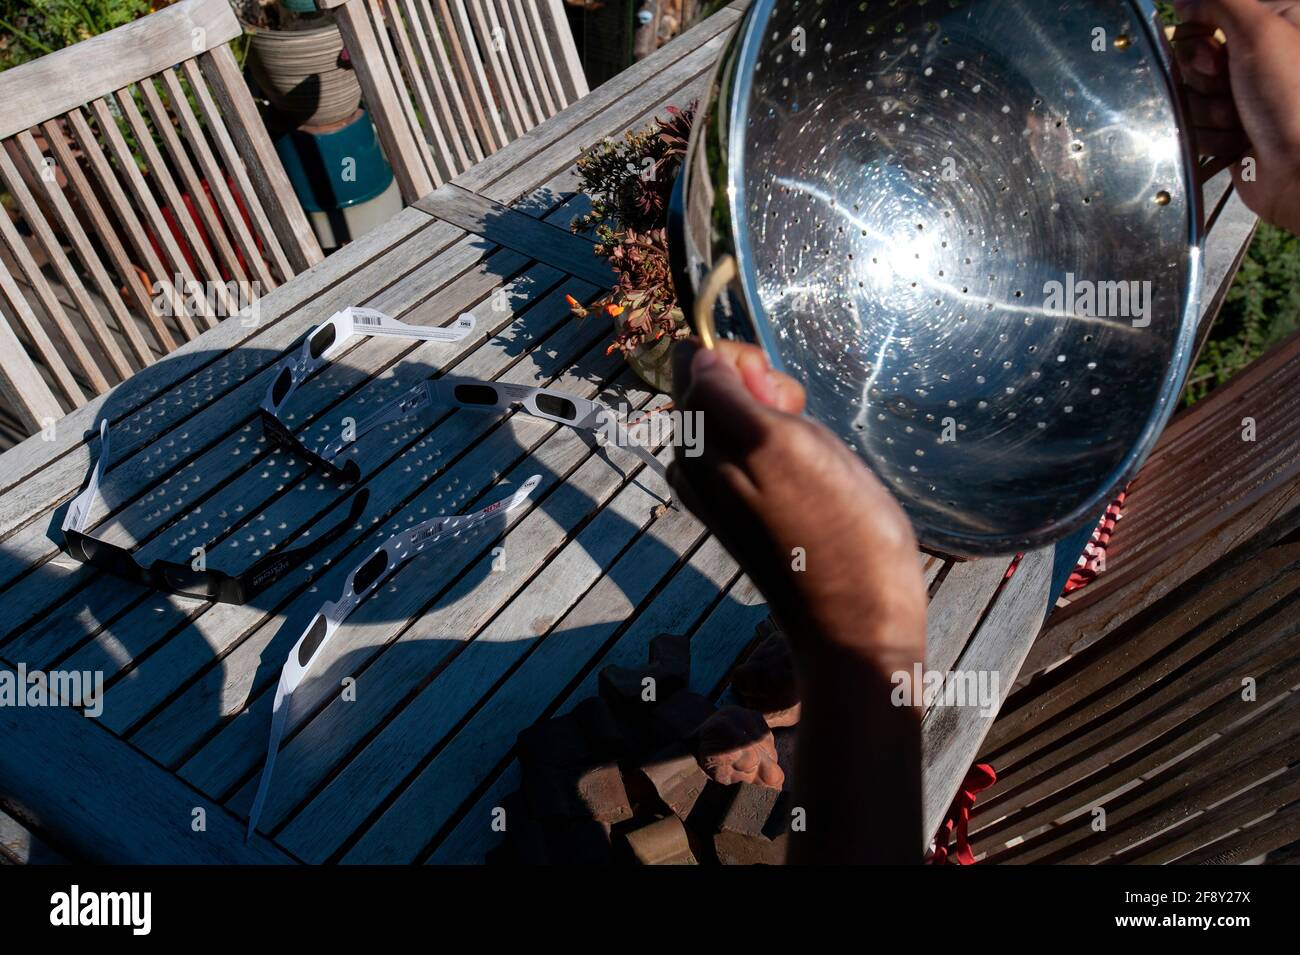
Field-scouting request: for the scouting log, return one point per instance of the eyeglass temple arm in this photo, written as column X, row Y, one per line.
column 369, row 321
column 408, row 405
column 79, row 510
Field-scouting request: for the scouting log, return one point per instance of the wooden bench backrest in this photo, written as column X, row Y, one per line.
column 448, row 82
column 133, row 158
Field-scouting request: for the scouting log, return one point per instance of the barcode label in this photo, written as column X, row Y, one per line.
column 365, row 319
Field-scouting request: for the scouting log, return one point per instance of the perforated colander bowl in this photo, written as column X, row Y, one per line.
column 971, row 229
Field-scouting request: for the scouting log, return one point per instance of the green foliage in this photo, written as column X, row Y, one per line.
column 31, row 28
column 1261, row 309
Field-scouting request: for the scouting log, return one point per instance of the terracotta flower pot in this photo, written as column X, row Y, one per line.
column 304, row 74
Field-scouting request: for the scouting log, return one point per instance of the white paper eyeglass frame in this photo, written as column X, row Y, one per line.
column 399, row 548
column 353, row 320
column 589, row 415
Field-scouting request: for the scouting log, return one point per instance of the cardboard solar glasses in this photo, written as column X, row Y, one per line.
column 321, row 343
column 188, row 580
column 361, row 582
column 480, row 395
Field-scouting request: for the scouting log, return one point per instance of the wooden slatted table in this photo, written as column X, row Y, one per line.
column 463, row 647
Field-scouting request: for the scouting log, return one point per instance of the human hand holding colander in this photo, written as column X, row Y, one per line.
column 973, row 233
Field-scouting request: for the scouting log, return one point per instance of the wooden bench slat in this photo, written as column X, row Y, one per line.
column 990, row 830
column 70, row 226
column 1078, row 693
column 31, row 398
column 1187, row 715
column 646, row 79
column 179, row 159
column 1276, row 832
column 514, row 230
column 160, row 174
column 1215, row 824
column 67, row 276
column 61, row 81
column 88, row 202
column 951, row 736
column 1225, row 766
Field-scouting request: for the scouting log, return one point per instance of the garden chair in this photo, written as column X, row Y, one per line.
column 448, row 82
column 1162, row 724
column 139, row 172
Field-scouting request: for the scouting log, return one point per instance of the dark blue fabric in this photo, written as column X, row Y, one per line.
column 1066, row 557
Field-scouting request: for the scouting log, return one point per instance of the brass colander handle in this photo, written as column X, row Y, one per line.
column 722, row 274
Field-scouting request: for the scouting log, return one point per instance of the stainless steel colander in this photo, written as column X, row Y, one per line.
column 971, row 229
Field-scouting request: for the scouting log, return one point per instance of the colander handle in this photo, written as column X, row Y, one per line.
column 723, row 273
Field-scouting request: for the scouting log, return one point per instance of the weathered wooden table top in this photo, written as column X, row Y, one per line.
column 464, row 646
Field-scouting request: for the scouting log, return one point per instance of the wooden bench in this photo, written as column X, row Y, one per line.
column 448, row 82
column 139, row 168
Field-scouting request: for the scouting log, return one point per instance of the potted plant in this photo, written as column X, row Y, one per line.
column 296, row 57
column 630, row 182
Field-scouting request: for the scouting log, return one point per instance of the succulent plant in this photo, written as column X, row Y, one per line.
column 630, row 182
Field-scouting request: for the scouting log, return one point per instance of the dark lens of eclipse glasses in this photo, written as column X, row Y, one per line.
column 312, row 643
column 476, row 394
column 283, row 382
column 557, row 407
column 322, row 340
column 370, row 572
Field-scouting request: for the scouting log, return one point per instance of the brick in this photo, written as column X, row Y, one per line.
column 589, row 734
column 550, row 792
column 742, row 837
column 736, row 746
column 777, row 719
column 787, row 742
column 562, row 741
column 754, row 829
column 706, row 815
column 676, row 778
column 678, row 718
column 661, row 843
column 625, row 689
column 777, row 827
column 750, row 808
column 766, row 627
column 734, row 849
column 600, row 791
column 606, row 735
